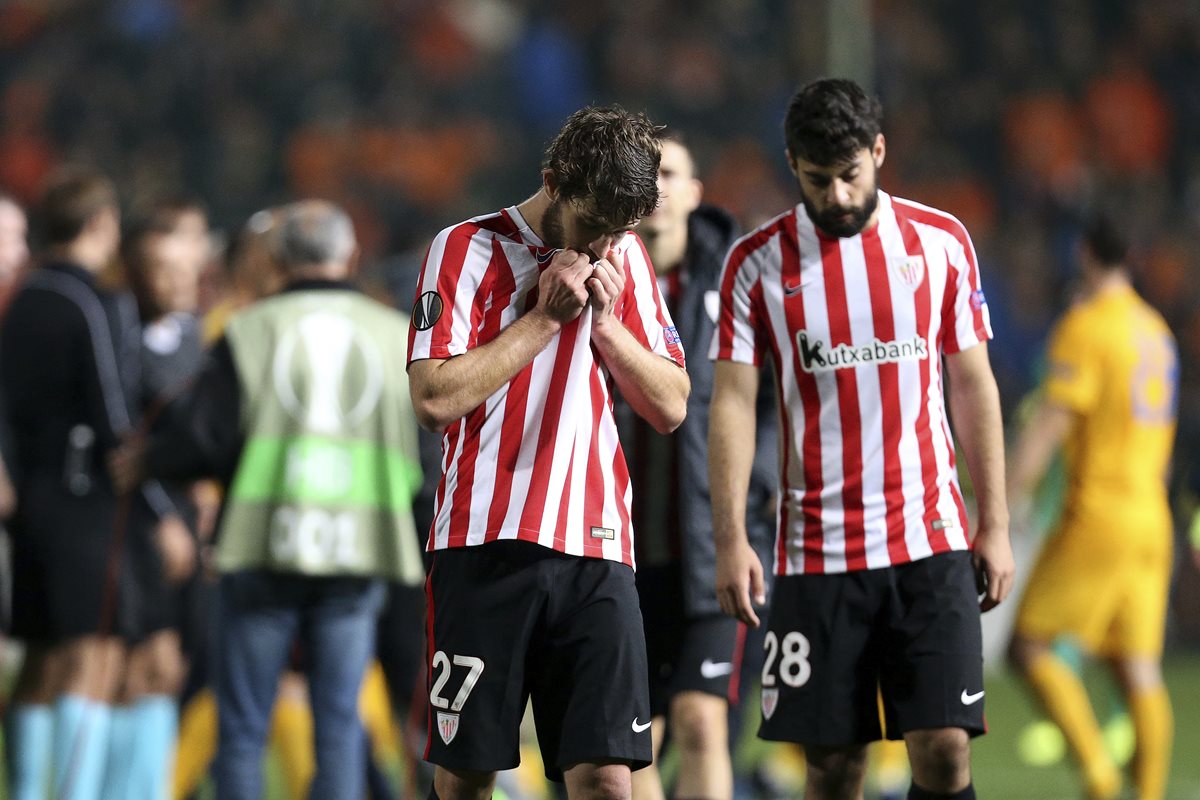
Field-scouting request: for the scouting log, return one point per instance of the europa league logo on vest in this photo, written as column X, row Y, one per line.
column 327, row 374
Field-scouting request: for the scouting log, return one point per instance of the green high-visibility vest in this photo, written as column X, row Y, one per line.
column 330, row 466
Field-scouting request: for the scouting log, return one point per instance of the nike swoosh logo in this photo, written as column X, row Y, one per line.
column 970, row 699
column 638, row 728
column 715, row 669
column 791, row 288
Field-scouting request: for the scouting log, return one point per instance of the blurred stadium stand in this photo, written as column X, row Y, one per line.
column 414, row 113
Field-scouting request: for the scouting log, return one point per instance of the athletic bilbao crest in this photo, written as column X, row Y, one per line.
column 447, row 726
column 910, row 270
column 770, row 699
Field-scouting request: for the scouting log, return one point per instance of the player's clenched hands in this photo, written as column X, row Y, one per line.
column 606, row 284
column 562, row 293
column 995, row 568
column 740, row 580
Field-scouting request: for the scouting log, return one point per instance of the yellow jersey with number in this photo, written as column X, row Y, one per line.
column 1113, row 361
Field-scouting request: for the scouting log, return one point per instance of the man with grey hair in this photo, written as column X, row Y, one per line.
column 303, row 412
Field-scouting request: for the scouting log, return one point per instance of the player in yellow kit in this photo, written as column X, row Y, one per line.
column 1108, row 401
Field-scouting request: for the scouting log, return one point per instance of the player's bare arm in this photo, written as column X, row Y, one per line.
column 1041, row 437
column 446, row 390
column 655, row 387
column 730, row 460
column 978, row 427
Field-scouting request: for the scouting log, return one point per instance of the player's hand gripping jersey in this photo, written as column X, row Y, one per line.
column 540, row 460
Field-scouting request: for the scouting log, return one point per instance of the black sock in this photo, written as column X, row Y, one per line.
column 917, row 793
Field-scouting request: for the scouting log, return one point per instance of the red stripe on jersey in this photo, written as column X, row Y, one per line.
column 814, row 481
column 449, row 445
column 509, row 228
column 733, row 265
column 564, row 505
column 847, row 392
column 952, row 226
column 543, row 459
column 429, row 651
column 460, row 509
column 948, row 330
column 929, row 466
column 621, row 489
column 593, row 498
column 879, row 284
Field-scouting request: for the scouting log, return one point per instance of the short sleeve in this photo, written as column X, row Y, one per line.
column 1073, row 368
column 642, row 309
column 738, row 335
column 965, row 317
column 441, row 313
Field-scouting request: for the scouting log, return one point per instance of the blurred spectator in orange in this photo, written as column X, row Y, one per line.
column 26, row 156
column 1045, row 140
column 1129, row 118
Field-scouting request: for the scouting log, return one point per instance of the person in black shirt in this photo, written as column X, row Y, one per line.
column 163, row 269
column 69, row 380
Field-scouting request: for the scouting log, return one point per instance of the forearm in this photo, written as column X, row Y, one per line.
column 656, row 388
column 446, row 391
column 1035, row 448
column 975, row 405
column 731, row 450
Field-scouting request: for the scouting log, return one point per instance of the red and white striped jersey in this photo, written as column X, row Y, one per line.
column 540, row 460
column 856, row 328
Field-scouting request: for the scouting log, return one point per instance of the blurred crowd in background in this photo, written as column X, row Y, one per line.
column 1015, row 116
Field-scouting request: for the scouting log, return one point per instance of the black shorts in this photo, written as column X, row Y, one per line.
column 154, row 604
column 910, row 633
column 686, row 654
column 60, row 587
column 508, row 621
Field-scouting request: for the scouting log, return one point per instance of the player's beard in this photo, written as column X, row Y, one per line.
column 831, row 220
column 553, row 232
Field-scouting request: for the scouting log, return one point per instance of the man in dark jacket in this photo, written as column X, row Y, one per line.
column 695, row 652
column 69, row 376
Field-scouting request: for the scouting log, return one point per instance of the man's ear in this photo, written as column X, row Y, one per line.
column 879, row 151
column 791, row 162
column 549, row 183
column 697, row 193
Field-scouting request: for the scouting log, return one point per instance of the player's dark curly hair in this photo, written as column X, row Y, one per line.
column 831, row 119
column 609, row 156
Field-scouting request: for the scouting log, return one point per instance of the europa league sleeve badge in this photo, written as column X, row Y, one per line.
column 427, row 311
